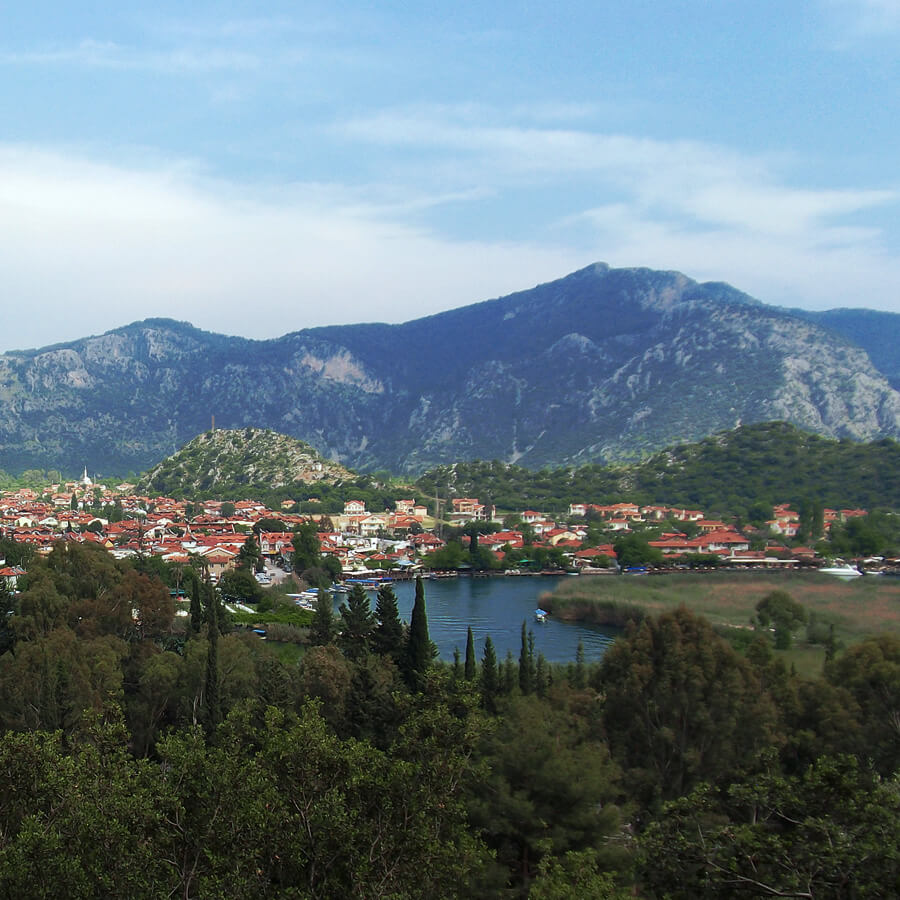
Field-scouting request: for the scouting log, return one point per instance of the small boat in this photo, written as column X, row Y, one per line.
column 844, row 570
column 541, row 615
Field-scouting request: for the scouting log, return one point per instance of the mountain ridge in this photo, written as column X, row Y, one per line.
column 602, row 364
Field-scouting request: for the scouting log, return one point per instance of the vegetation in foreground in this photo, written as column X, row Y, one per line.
column 141, row 761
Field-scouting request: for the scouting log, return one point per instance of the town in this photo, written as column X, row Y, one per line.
column 408, row 539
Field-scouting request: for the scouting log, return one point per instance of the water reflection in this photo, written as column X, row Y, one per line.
column 497, row 606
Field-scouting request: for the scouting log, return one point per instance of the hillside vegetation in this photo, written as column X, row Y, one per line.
column 737, row 471
column 232, row 463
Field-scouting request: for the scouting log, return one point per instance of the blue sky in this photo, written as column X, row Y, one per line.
column 260, row 168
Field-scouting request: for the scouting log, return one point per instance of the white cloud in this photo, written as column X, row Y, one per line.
column 702, row 208
column 869, row 17
column 108, row 55
column 85, row 247
column 93, row 245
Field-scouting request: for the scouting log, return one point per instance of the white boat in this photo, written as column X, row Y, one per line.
column 844, row 570
column 540, row 615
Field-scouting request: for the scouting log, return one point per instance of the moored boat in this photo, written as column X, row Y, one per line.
column 844, row 570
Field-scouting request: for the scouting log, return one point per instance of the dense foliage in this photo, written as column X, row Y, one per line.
column 742, row 472
column 143, row 759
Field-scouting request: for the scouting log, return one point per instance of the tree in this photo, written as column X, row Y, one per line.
column 541, row 676
column 322, row 629
column 490, row 679
column 239, row 584
column 508, row 675
column 779, row 608
column 470, row 664
column 152, row 602
column 526, row 662
column 387, row 639
column 419, row 649
column 196, row 610
column 870, row 671
column 633, row 550
column 551, row 789
column 213, row 704
column 832, row 831
column 267, row 524
column 579, row 673
column 576, row 876
column 357, row 623
column 681, row 706
column 307, row 548
column 249, row 556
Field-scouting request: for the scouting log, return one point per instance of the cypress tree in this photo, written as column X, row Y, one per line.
column 579, row 680
column 509, row 674
column 526, row 662
column 196, row 606
column 540, row 676
column 470, row 655
column 213, row 702
column 419, row 649
column 388, row 637
column 489, row 676
column 457, row 664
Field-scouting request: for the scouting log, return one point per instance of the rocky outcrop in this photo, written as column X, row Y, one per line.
column 219, row 462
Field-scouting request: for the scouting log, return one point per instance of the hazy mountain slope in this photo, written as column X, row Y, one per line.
column 222, row 461
column 603, row 364
column 878, row 333
column 736, row 471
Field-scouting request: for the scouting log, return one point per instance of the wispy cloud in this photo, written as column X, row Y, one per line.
column 93, row 245
column 707, row 183
column 868, row 17
column 703, row 208
column 107, row 55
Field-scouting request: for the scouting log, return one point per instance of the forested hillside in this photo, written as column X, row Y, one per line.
column 734, row 472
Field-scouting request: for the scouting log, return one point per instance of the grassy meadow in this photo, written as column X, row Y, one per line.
column 857, row 608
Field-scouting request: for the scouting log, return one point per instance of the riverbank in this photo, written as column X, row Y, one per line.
column 857, row 609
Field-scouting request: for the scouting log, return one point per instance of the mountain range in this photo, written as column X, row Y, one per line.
column 602, row 365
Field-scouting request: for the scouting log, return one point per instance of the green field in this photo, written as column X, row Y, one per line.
column 859, row 608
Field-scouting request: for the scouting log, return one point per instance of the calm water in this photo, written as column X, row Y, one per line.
column 497, row 606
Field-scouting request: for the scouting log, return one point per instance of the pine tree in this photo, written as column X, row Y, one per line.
column 321, row 631
column 470, row 655
column 489, row 676
column 357, row 623
column 388, row 637
column 419, row 649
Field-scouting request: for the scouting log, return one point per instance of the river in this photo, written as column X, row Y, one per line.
column 497, row 606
